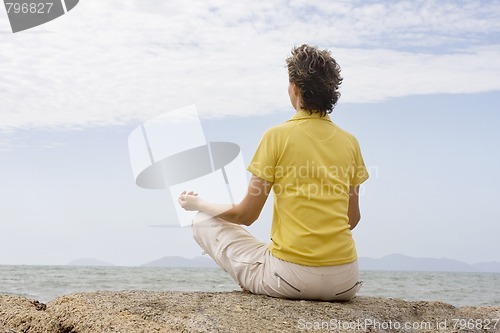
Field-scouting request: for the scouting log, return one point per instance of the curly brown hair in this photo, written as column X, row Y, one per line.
column 317, row 75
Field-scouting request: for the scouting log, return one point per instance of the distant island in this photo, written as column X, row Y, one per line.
column 400, row 262
column 392, row 262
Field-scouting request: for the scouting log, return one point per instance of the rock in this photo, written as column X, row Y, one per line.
column 20, row 315
column 142, row 311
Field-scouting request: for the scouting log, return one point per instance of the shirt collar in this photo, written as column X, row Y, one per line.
column 303, row 114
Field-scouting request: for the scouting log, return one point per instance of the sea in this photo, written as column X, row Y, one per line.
column 45, row 283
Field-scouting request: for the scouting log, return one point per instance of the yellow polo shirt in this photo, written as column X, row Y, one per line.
column 312, row 164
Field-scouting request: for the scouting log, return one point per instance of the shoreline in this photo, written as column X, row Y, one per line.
column 45, row 285
column 146, row 311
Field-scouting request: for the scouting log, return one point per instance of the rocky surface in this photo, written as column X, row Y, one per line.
column 141, row 311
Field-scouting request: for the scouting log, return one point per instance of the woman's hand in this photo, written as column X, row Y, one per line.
column 189, row 200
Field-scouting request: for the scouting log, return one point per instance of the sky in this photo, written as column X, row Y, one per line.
column 421, row 92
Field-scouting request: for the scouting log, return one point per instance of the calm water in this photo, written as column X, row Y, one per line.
column 45, row 283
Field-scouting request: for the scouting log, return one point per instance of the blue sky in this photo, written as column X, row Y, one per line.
column 421, row 93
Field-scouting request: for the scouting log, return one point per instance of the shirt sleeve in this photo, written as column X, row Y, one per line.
column 263, row 164
column 359, row 172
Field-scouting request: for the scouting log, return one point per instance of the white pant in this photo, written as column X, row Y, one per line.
column 255, row 269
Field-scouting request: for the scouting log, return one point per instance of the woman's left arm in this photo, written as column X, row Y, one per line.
column 246, row 212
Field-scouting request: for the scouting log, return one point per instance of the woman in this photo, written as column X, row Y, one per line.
column 314, row 169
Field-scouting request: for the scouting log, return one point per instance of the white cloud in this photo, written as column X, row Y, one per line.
column 119, row 61
column 380, row 74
